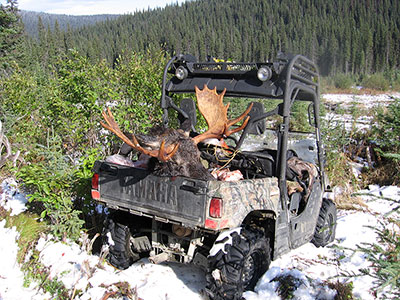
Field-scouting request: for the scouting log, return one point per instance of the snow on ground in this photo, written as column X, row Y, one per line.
column 312, row 266
column 366, row 101
column 347, row 102
column 11, row 277
column 11, row 198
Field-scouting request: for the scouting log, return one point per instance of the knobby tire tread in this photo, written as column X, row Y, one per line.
column 118, row 254
column 327, row 207
column 231, row 263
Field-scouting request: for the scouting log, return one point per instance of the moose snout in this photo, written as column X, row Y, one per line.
column 149, row 141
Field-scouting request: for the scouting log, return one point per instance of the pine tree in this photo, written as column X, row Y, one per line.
column 11, row 30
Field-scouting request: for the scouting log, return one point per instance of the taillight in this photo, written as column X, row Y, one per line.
column 216, row 208
column 95, row 181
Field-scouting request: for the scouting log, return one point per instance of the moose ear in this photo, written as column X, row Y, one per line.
column 186, row 126
column 189, row 107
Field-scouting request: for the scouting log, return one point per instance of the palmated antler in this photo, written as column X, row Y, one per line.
column 163, row 154
column 215, row 112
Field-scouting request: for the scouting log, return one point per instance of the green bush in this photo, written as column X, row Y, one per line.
column 65, row 220
column 386, row 132
column 396, row 81
column 343, row 81
column 336, row 140
column 387, row 126
column 54, row 119
column 50, row 183
column 139, row 87
column 376, row 82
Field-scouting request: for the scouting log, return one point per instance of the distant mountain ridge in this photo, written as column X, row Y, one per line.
column 31, row 19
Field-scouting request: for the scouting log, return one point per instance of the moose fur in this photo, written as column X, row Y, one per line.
column 185, row 162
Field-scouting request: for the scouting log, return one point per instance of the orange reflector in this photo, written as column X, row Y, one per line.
column 95, row 181
column 211, row 224
column 216, row 208
column 95, row 194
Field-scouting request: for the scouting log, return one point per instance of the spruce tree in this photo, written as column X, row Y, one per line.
column 11, row 30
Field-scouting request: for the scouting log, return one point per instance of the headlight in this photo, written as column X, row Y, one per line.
column 181, row 73
column 264, row 73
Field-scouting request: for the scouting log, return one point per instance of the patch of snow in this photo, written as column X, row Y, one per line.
column 356, row 168
column 11, row 277
column 347, row 102
column 12, row 198
column 367, row 101
column 110, row 239
column 225, row 238
column 381, row 200
column 305, row 290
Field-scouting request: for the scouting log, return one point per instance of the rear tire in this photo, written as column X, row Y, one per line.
column 238, row 265
column 325, row 229
column 117, row 236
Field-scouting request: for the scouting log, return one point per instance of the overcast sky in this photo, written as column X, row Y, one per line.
column 90, row 7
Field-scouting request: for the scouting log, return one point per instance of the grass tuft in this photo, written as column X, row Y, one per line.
column 344, row 290
column 29, row 229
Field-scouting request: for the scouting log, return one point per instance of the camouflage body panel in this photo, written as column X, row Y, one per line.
column 242, row 197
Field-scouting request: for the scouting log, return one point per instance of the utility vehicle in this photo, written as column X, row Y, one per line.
column 231, row 228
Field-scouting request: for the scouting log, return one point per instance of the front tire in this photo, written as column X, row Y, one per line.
column 325, row 229
column 238, row 265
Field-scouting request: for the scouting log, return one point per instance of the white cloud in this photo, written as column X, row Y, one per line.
column 91, row 7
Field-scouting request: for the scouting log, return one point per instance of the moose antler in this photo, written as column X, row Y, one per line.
column 215, row 112
column 162, row 154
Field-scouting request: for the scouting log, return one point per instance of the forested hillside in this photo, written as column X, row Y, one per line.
column 63, row 22
column 341, row 35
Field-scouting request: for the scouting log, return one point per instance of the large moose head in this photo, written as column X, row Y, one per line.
column 176, row 152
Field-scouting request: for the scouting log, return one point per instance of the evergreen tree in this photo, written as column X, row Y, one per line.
column 10, row 34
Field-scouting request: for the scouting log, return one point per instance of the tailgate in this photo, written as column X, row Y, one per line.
column 174, row 198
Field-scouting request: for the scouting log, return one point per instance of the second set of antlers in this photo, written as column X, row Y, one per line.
column 210, row 105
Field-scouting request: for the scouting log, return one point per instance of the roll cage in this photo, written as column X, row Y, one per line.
column 290, row 78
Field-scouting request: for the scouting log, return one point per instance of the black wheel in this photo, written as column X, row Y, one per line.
column 118, row 238
column 242, row 259
column 326, row 225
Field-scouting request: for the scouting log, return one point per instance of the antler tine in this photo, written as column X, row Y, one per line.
column 238, row 119
column 215, row 113
column 113, row 127
column 162, row 154
column 229, row 132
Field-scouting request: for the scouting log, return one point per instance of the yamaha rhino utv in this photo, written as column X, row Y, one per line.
column 233, row 229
